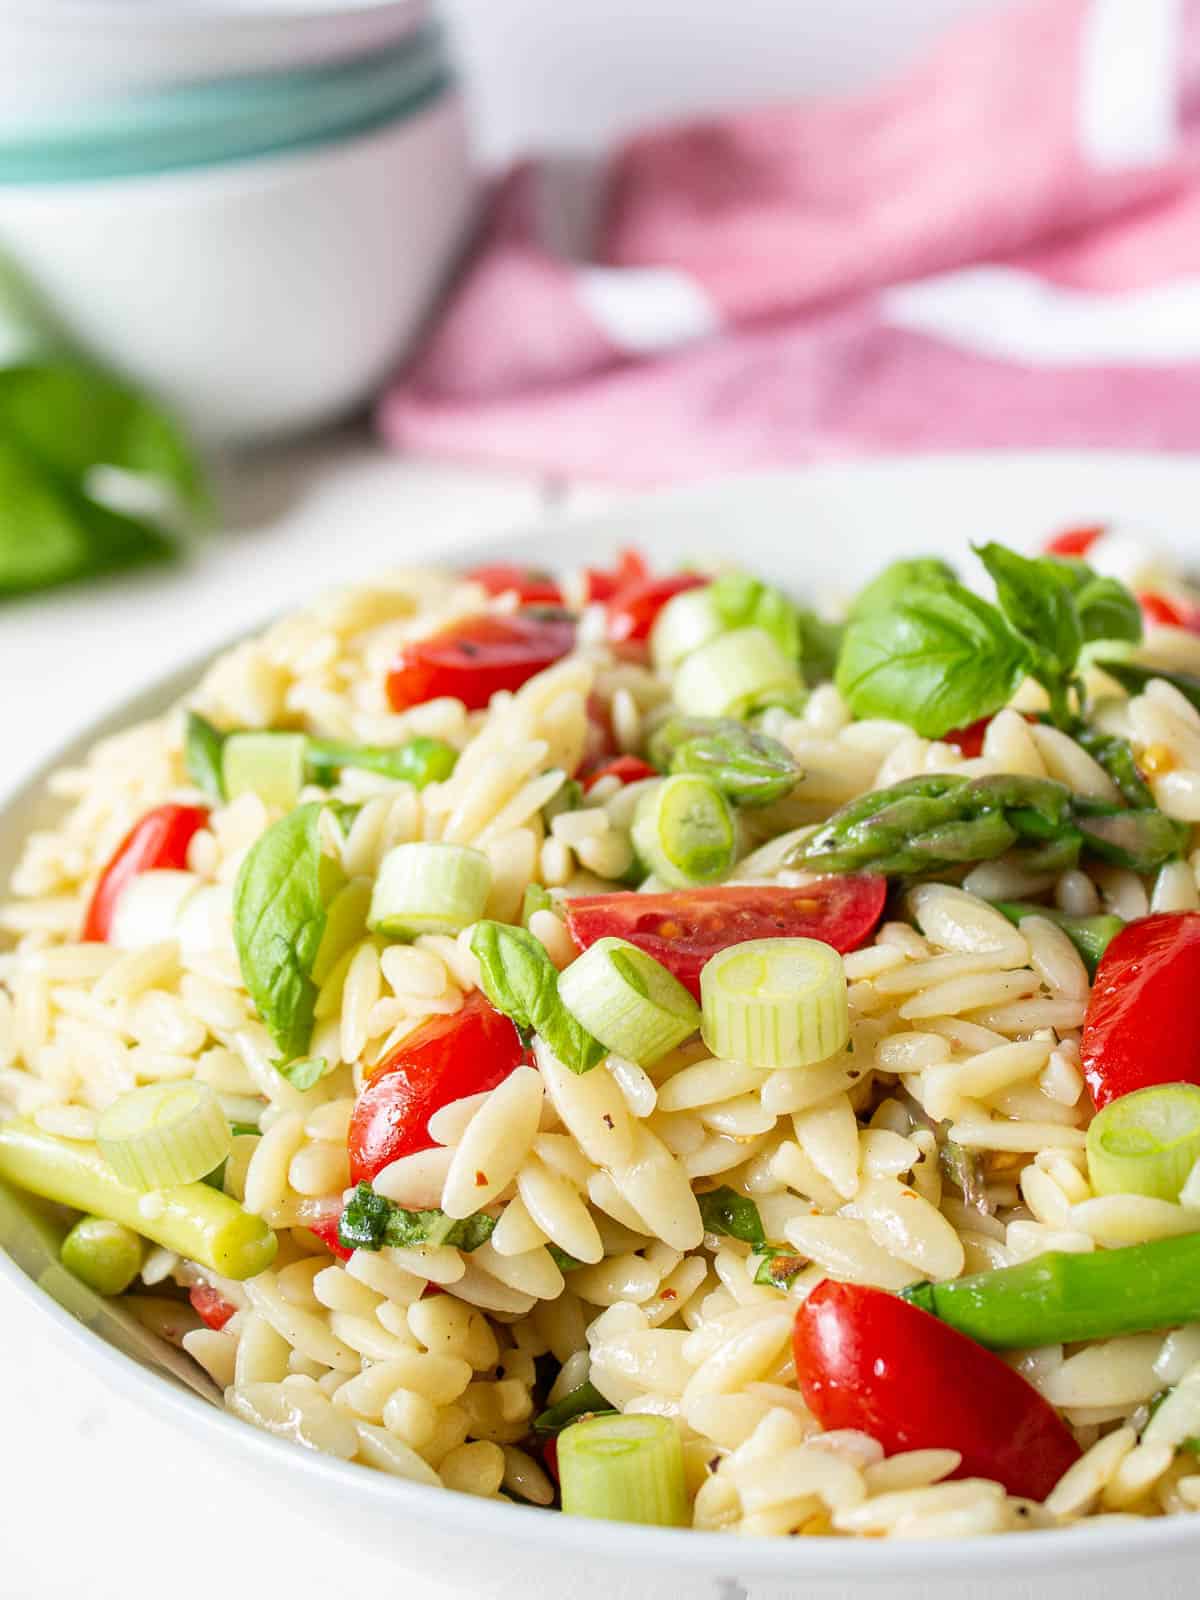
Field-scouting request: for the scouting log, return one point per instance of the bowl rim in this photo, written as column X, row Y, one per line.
column 1037, row 1553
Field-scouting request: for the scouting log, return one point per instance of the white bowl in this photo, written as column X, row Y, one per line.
column 262, row 296
column 55, row 51
column 289, row 1521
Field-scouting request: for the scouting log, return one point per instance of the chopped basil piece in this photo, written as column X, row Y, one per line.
column 585, row 1401
column 725, row 1211
column 306, row 1072
column 202, row 748
column 520, row 979
column 779, row 1266
column 370, row 1221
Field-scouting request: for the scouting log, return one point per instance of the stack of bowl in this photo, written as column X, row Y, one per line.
column 246, row 204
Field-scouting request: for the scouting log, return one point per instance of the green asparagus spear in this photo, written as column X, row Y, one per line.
column 1117, row 758
column 929, row 824
column 419, row 761
column 192, row 1218
column 750, row 768
column 1091, row 936
column 1062, row 1297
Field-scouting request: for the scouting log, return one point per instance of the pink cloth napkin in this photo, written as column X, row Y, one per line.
column 1000, row 248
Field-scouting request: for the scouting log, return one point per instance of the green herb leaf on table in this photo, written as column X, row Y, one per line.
column 62, row 421
column 279, row 905
column 202, row 747
column 940, row 658
column 369, row 1221
column 724, row 1211
column 520, row 979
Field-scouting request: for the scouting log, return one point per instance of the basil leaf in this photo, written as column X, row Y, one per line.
column 820, row 642
column 278, row 920
column 725, row 1211
column 585, row 1401
column 1037, row 599
column 202, row 746
column 897, row 582
column 520, row 979
column 745, row 602
column 940, row 659
column 780, row 1266
column 61, row 420
column 368, row 1222
column 304, row 1073
column 1107, row 610
column 562, row 1260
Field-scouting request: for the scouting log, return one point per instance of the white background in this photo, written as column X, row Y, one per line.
column 98, row 1501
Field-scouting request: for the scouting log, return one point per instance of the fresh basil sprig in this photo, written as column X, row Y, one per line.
column 279, row 913
column 370, row 1221
column 923, row 649
column 520, row 979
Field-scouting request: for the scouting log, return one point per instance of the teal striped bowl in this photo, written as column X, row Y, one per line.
column 213, row 122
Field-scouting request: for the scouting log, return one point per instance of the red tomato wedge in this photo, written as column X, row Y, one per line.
column 683, row 929
column 1162, row 612
column 969, row 739
column 1143, row 1025
column 444, row 1059
column 868, row 1360
column 632, row 610
column 476, row 658
column 210, row 1306
column 534, row 585
column 159, row 840
column 628, row 769
column 326, row 1229
column 604, row 582
column 1074, row 542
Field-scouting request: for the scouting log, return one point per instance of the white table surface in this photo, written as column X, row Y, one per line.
column 97, row 1502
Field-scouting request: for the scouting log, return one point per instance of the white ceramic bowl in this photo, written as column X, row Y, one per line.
column 263, row 296
column 290, row 1522
column 55, row 51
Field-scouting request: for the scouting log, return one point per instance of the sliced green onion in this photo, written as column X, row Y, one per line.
column 270, row 765
column 684, row 624
column 684, row 831
column 419, row 761
column 733, row 672
column 429, row 888
column 198, row 1222
column 775, row 1003
column 1146, row 1142
column 345, row 925
column 105, row 1255
column 629, row 1001
column 165, row 1133
column 624, row 1469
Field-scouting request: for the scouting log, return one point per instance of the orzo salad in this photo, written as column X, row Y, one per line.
column 632, row 1044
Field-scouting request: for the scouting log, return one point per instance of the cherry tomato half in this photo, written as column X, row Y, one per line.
column 632, row 610
column 605, row 582
column 865, row 1359
column 683, row 929
column 1074, row 542
column 969, row 739
column 474, row 659
column 1142, row 1025
column 210, row 1306
column 628, row 769
column 159, row 840
column 444, row 1059
column 534, row 585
